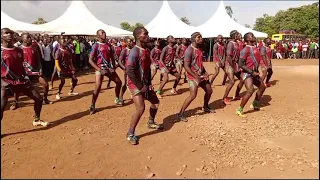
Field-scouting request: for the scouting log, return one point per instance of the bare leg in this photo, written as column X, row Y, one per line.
column 228, row 88
column 4, row 99
column 217, row 70
column 193, row 94
column 224, row 78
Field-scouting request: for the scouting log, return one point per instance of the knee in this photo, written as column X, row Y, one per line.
column 38, row 99
column 118, row 82
column 231, row 82
column 141, row 109
column 209, row 91
column 250, row 91
column 178, row 76
column 155, row 106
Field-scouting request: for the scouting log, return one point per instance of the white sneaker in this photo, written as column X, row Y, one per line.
column 58, row 96
column 73, row 94
column 40, row 123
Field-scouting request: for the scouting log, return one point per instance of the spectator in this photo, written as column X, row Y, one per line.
column 311, row 49
column 299, row 53
column 294, row 52
column 272, row 46
column 304, row 50
column 316, row 49
column 76, row 45
column 48, row 63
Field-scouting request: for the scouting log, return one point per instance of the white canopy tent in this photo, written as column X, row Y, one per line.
column 221, row 23
column 78, row 20
column 18, row 26
column 167, row 23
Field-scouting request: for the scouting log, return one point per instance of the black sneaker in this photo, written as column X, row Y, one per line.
column 132, row 139
column 92, row 109
column 209, row 110
column 181, row 117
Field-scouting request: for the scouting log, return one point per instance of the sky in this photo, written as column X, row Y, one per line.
column 115, row 12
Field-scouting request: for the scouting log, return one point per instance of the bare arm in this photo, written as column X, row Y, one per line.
column 122, row 58
column 229, row 53
column 162, row 56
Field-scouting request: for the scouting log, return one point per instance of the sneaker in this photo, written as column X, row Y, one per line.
column 209, row 110
column 173, row 91
column 46, row 101
column 132, row 139
column 159, row 94
column 58, row 96
column 255, row 106
column 40, row 123
column 154, row 125
column 226, row 101
column 14, row 106
column 239, row 112
column 181, row 117
column 118, row 101
column 92, row 109
column 236, row 98
column 73, row 93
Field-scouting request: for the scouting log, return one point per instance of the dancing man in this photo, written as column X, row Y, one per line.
column 180, row 51
column 167, row 66
column 266, row 54
column 218, row 57
column 155, row 56
column 197, row 76
column 14, row 78
column 105, row 66
column 249, row 62
column 139, row 83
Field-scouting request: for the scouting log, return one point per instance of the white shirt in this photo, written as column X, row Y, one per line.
column 46, row 52
column 305, row 47
column 54, row 44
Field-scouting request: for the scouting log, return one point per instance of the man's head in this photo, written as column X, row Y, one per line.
column 129, row 42
column 101, row 35
column 171, row 39
column 45, row 41
column 178, row 41
column 63, row 42
column 196, row 38
column 6, row 35
column 184, row 41
column 26, row 38
column 219, row 38
column 141, row 35
column 233, row 34
column 249, row 38
column 156, row 43
column 267, row 41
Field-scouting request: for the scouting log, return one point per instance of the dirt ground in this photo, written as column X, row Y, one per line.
column 280, row 141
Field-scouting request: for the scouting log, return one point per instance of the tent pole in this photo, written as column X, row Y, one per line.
column 210, row 50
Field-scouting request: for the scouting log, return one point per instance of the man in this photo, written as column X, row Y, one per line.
column 249, row 62
column 167, row 66
column 231, row 66
column 155, row 56
column 218, row 57
column 77, row 53
column 103, row 53
column 33, row 68
column 266, row 65
column 139, row 83
column 316, row 49
column 65, row 68
column 123, row 58
column 311, row 49
column 197, row 76
column 180, row 51
column 14, row 78
column 48, row 66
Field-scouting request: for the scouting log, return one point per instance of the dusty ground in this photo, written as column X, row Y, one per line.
column 280, row 141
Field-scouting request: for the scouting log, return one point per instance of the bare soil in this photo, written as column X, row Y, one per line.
column 279, row 141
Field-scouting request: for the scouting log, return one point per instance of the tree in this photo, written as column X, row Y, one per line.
column 125, row 26
column 247, row 26
column 128, row 27
column 185, row 20
column 304, row 20
column 39, row 21
column 229, row 11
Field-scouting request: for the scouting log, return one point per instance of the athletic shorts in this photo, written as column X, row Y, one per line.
column 171, row 70
column 62, row 74
column 179, row 62
column 263, row 67
column 154, row 66
column 194, row 83
column 151, row 95
column 256, row 80
column 108, row 71
column 34, row 79
column 219, row 64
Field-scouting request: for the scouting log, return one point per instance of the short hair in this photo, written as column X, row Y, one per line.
column 245, row 37
column 99, row 30
column 137, row 31
column 265, row 40
column 194, row 35
column 170, row 36
column 233, row 33
column 25, row 33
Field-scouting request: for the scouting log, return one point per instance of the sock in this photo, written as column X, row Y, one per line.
column 240, row 108
column 153, row 113
column 158, row 92
column 131, row 131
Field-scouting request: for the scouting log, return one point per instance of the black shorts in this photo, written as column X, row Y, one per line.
column 238, row 74
column 151, row 97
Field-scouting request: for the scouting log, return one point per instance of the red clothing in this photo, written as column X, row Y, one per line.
column 241, row 45
column 218, row 52
column 168, row 57
column 182, row 51
column 233, row 51
column 123, row 58
column 194, row 56
column 117, row 50
column 13, row 60
column 103, row 53
column 289, row 47
column 139, row 59
column 252, row 56
column 31, row 57
column 155, row 55
column 64, row 58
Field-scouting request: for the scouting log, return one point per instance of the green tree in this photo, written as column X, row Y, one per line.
column 39, row 21
column 128, row 27
column 247, row 26
column 229, row 11
column 185, row 20
column 125, row 25
column 304, row 20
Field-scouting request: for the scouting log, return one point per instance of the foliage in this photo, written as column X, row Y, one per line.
column 304, row 20
column 39, row 21
column 185, row 20
column 128, row 27
column 247, row 26
column 229, row 11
